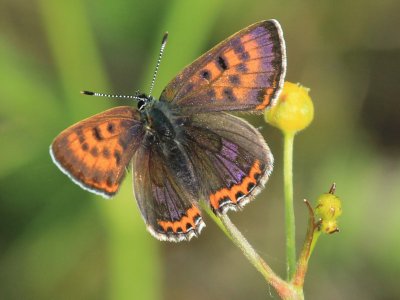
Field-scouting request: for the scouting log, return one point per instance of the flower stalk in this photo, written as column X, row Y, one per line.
column 293, row 112
column 289, row 209
column 285, row 289
column 309, row 243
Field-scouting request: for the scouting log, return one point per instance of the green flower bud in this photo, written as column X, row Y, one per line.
column 329, row 208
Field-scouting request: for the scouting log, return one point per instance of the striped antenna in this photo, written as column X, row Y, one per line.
column 89, row 93
column 163, row 43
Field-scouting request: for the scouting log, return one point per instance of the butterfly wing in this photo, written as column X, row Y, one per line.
column 95, row 152
column 165, row 192
column 231, row 158
column 244, row 72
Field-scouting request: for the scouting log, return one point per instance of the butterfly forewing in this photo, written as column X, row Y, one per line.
column 243, row 73
column 232, row 160
column 95, row 152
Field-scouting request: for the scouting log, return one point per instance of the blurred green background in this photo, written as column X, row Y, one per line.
column 60, row 242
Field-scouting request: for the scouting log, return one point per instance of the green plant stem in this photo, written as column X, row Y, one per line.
column 217, row 220
column 248, row 250
column 283, row 288
column 309, row 243
column 289, row 210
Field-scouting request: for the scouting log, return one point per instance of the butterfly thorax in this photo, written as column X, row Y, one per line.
column 162, row 123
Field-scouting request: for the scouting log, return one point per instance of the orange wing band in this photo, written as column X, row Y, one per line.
column 185, row 224
column 237, row 191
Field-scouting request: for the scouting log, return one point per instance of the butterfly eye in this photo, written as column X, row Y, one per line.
column 141, row 104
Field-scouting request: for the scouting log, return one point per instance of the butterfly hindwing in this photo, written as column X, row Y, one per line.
column 232, row 160
column 95, row 152
column 243, row 73
column 165, row 190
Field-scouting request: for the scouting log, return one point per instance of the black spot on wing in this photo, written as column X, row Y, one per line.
column 106, row 152
column 189, row 87
column 221, row 62
column 241, row 68
column 197, row 219
column 260, row 95
column 80, row 135
column 97, row 134
column 205, row 74
column 211, row 93
column 85, row 147
column 109, row 182
column 117, row 156
column 110, row 179
column 189, row 226
column 250, row 186
column 228, row 94
column 94, row 151
column 234, row 79
column 111, row 127
column 244, row 56
column 238, row 47
column 239, row 195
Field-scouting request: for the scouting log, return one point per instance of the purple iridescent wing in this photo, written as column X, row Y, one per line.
column 166, row 199
column 245, row 72
column 231, row 159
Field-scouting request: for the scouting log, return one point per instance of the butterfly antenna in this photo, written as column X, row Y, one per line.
column 89, row 93
column 163, row 43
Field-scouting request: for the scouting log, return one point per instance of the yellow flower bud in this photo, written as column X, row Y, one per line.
column 293, row 111
column 329, row 208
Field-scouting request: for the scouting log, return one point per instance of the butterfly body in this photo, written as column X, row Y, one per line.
column 184, row 147
column 162, row 122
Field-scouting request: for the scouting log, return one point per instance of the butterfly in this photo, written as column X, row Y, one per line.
column 185, row 147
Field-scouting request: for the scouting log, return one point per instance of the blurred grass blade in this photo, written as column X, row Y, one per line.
column 188, row 33
column 22, row 117
column 74, row 52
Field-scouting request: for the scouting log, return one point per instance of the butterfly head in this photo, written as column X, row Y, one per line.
column 144, row 101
